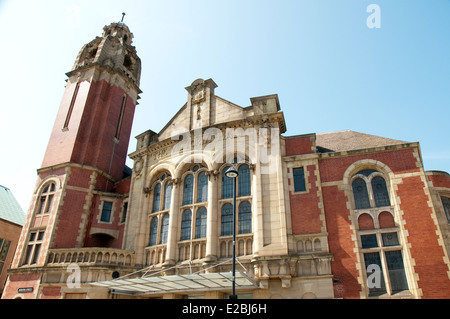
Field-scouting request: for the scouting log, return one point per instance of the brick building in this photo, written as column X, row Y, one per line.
column 335, row 215
column 11, row 221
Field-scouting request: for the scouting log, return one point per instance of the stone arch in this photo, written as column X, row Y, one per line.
column 365, row 221
column 366, row 164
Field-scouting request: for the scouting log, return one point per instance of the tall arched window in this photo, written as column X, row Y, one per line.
column 202, row 187
column 164, row 229
column 156, row 197
column 153, row 231
column 245, row 218
column 380, row 192
column 244, row 180
column 167, row 195
column 186, row 220
column 188, row 189
column 46, row 199
column 227, row 185
column 200, row 223
column 360, row 194
column 227, row 220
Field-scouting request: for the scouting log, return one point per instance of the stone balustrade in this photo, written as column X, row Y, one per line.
column 90, row 256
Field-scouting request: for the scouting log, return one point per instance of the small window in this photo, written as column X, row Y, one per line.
column 244, row 180
column 299, row 179
column 153, row 231
column 167, row 196
column 156, row 197
column 186, row 220
column 360, row 194
column 124, row 212
column 390, row 239
column 446, row 204
column 34, row 247
column 227, row 185
column 165, row 229
column 188, row 189
column 106, row 212
column 380, row 192
column 369, row 241
column 245, row 218
column 227, row 220
column 202, row 187
column 200, row 223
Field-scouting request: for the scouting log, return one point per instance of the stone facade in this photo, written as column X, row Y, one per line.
column 335, row 215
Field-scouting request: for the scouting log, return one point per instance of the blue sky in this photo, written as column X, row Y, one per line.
column 330, row 71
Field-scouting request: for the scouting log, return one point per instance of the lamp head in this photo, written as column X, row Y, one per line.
column 231, row 172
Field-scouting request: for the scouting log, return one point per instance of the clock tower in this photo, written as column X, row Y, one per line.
column 81, row 195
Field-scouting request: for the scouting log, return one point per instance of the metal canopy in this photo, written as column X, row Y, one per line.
column 178, row 283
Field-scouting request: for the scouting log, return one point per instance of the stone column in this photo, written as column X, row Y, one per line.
column 171, row 253
column 212, row 218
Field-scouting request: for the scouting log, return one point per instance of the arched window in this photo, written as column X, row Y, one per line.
column 164, row 229
column 186, row 220
column 46, row 199
column 188, row 189
column 227, row 220
column 244, row 180
column 227, row 185
column 202, row 187
column 167, row 195
column 153, row 231
column 380, row 192
column 200, row 223
column 360, row 194
column 156, row 197
column 245, row 218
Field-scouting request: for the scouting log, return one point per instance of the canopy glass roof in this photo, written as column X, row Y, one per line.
column 178, row 283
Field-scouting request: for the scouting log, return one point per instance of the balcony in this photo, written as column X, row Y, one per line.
column 90, row 257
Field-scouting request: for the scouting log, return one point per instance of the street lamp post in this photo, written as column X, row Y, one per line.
column 233, row 173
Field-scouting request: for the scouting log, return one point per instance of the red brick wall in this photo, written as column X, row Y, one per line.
column 399, row 161
column 89, row 139
column 305, row 212
column 17, row 281
column 299, row 145
column 425, row 249
column 439, row 179
column 340, row 243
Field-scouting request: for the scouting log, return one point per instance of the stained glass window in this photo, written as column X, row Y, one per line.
column 188, row 189
column 200, row 223
column 186, row 220
column 165, row 229
column 374, row 270
column 244, row 180
column 446, row 204
column 153, row 231
column 380, row 192
column 245, row 218
column 360, row 194
column 156, row 197
column 167, row 196
column 396, row 271
column 227, row 220
column 227, row 185
column 202, row 187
